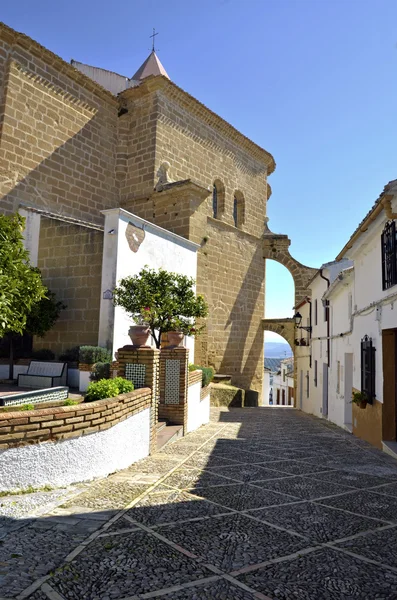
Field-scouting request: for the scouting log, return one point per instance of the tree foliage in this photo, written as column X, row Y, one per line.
column 44, row 314
column 20, row 285
column 164, row 301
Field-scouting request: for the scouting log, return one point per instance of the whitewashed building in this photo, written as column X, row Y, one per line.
column 131, row 243
column 354, row 330
column 282, row 387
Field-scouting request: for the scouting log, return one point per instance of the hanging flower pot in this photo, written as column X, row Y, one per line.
column 175, row 338
column 139, row 335
column 360, row 399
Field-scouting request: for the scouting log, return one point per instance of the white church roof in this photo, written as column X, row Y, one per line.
column 115, row 83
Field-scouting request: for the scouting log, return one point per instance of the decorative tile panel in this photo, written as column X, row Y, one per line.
column 172, row 374
column 136, row 374
column 46, row 395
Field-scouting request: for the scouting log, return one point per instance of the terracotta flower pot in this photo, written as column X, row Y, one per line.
column 175, row 338
column 362, row 404
column 139, row 335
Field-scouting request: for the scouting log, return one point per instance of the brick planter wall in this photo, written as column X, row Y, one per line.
column 20, row 428
column 63, row 445
column 195, row 377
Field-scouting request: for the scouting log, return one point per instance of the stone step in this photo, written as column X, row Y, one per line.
column 220, row 378
column 160, row 426
column 169, row 434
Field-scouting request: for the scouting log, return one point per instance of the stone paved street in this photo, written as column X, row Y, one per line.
column 260, row 503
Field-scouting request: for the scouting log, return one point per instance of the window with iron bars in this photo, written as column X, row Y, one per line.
column 368, row 368
column 389, row 255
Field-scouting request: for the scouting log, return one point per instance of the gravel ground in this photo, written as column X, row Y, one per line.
column 323, row 575
column 32, row 504
column 369, row 504
column 157, row 509
column 319, row 523
column 241, row 497
column 233, row 541
column 377, row 545
column 303, row 487
column 214, row 590
column 186, row 478
column 124, row 565
column 257, row 492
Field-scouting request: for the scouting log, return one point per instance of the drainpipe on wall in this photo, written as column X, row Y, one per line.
column 310, row 335
column 328, row 323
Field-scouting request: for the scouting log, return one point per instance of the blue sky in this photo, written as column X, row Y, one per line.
column 312, row 81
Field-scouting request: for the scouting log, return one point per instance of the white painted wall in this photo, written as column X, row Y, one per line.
column 160, row 248
column 282, row 382
column 84, row 380
column 358, row 307
column 4, row 370
column 81, row 459
column 304, row 400
column 198, row 411
column 266, row 387
column 31, row 234
column 73, row 374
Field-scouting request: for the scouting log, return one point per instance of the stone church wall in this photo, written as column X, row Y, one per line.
column 70, row 259
column 197, row 150
column 231, row 268
column 58, row 134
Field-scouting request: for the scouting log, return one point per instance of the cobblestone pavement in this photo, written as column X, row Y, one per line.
column 258, row 504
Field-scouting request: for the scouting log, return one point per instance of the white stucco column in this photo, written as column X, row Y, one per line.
column 31, row 234
column 109, row 274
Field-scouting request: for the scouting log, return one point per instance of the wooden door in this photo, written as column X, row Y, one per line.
column 389, row 411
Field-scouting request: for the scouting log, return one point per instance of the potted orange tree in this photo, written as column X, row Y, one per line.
column 160, row 302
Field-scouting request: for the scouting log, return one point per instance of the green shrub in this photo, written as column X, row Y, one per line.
column 70, row 402
column 70, row 355
column 27, row 407
column 208, row 373
column 43, row 354
column 101, row 371
column 93, row 354
column 108, row 388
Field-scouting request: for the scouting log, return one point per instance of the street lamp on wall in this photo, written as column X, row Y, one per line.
column 298, row 320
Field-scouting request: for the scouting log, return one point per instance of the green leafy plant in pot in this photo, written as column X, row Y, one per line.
column 360, row 398
column 162, row 301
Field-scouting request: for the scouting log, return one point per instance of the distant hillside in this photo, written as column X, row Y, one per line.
column 277, row 350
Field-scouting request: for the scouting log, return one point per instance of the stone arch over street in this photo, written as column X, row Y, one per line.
column 283, row 327
column 276, row 247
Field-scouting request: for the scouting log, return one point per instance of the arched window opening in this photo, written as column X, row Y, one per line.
column 218, row 198
column 214, row 201
column 238, row 209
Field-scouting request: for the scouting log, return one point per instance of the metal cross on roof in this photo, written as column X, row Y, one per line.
column 153, row 36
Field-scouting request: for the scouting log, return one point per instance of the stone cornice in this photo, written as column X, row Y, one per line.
column 183, row 186
column 15, row 38
column 232, row 228
column 61, row 94
column 154, row 83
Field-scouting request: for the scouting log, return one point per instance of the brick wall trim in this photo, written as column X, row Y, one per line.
column 65, row 422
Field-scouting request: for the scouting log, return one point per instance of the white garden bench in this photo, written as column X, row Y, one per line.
column 44, row 375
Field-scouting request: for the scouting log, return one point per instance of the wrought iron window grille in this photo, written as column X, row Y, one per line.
column 389, row 255
column 368, row 372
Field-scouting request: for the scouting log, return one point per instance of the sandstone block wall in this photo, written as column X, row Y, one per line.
column 70, row 259
column 231, row 268
column 58, row 134
column 197, row 150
